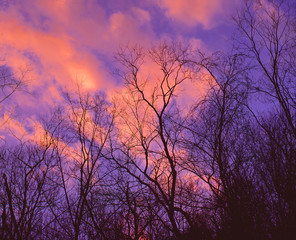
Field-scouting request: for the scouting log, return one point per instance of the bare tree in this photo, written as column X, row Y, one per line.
column 266, row 35
column 26, row 186
column 218, row 146
column 143, row 167
column 149, row 131
column 11, row 82
column 81, row 133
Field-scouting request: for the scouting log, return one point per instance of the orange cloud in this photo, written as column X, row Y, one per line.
column 66, row 47
column 64, row 42
column 192, row 12
column 56, row 54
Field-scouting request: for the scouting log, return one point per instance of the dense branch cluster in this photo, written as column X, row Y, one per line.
column 145, row 166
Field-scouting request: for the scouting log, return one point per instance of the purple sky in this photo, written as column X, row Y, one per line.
column 60, row 42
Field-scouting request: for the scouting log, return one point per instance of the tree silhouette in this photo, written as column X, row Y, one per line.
column 144, row 166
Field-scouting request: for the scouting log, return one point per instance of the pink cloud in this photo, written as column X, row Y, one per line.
column 191, row 12
column 71, row 36
column 65, row 42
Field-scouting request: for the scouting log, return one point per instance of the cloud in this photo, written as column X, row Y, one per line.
column 65, row 42
column 69, row 39
column 209, row 13
column 55, row 56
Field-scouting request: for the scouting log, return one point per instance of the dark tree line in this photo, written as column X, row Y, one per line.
column 144, row 167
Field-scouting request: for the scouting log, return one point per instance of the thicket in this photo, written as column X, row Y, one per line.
column 149, row 166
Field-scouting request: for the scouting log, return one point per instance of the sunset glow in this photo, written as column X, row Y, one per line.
column 66, row 42
column 150, row 119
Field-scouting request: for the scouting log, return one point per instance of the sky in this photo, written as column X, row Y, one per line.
column 54, row 44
